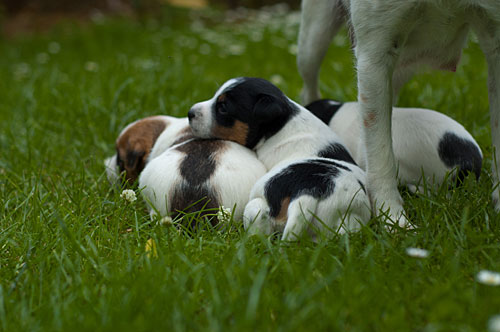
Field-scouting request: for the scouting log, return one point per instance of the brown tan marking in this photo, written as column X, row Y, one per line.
column 370, row 119
column 221, row 98
column 135, row 144
column 237, row 133
column 282, row 217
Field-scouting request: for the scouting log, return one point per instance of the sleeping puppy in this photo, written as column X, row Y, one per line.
column 200, row 175
column 179, row 173
column 314, row 184
column 142, row 141
column 425, row 142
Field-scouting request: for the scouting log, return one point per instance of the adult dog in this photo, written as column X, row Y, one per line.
column 391, row 39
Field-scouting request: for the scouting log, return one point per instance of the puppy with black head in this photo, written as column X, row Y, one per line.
column 426, row 143
column 313, row 184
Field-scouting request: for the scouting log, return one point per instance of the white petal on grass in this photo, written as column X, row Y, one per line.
column 292, row 49
column 277, row 79
column 236, row 49
column 417, row 252
column 494, row 324
column 166, row 221
column 54, row 47
column 205, row 49
column 42, row 58
column 489, row 278
column 91, row 66
column 224, row 215
column 128, row 195
column 21, row 70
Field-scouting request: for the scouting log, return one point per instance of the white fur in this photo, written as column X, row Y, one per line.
column 393, row 38
column 416, row 134
column 168, row 137
column 237, row 171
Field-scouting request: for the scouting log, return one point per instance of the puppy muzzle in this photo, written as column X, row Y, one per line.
column 200, row 121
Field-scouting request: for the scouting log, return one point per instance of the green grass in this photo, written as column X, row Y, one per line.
column 72, row 252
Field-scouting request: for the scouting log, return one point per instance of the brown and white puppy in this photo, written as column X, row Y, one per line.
column 179, row 174
column 141, row 141
column 313, row 185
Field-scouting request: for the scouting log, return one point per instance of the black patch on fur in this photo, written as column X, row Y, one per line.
column 200, row 161
column 198, row 165
column 336, row 151
column 324, row 109
column 457, row 152
column 314, row 177
column 256, row 102
column 187, row 199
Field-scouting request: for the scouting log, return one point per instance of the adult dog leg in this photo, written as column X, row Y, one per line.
column 377, row 50
column 320, row 21
column 489, row 38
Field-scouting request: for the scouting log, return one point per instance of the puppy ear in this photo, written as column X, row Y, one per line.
column 268, row 108
column 135, row 159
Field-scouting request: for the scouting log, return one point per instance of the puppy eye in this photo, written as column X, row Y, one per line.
column 222, row 108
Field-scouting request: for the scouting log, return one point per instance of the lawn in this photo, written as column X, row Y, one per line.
column 73, row 254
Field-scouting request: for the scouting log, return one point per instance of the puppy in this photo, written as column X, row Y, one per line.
column 392, row 38
column 313, row 185
column 179, row 174
column 425, row 142
column 142, row 141
column 200, row 175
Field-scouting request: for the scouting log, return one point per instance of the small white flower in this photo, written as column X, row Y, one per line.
column 166, row 221
column 489, row 278
column 277, row 79
column 494, row 324
column 292, row 49
column 54, row 47
column 224, row 215
column 21, row 70
column 91, row 66
column 42, row 58
column 236, row 49
column 128, row 195
column 417, row 252
column 205, row 49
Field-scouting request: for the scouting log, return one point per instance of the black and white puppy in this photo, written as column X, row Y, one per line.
column 200, row 174
column 392, row 39
column 425, row 142
column 181, row 174
column 313, row 184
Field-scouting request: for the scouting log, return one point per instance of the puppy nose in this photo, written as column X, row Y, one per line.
column 191, row 114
